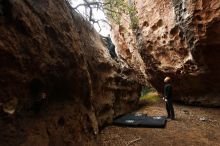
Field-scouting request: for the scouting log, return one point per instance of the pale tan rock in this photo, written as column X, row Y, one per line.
column 179, row 39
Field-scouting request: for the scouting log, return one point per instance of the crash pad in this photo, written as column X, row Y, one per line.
column 139, row 120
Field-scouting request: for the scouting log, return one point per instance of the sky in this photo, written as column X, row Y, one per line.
column 97, row 15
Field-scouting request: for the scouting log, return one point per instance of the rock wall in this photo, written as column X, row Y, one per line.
column 58, row 83
column 178, row 38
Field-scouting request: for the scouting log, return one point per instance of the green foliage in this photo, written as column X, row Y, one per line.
column 134, row 22
column 116, row 8
column 150, row 95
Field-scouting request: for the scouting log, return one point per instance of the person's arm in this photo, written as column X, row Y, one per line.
column 168, row 91
column 165, row 93
column 162, row 96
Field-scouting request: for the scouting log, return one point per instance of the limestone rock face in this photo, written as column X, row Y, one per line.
column 58, row 82
column 180, row 39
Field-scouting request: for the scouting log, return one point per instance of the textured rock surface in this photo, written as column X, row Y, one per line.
column 181, row 39
column 45, row 49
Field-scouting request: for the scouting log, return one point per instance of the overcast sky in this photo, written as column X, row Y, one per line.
column 97, row 15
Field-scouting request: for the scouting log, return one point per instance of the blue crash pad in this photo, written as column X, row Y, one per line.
column 138, row 120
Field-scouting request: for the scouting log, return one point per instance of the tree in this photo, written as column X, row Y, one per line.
column 113, row 9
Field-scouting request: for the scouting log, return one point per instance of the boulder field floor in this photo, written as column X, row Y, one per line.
column 193, row 126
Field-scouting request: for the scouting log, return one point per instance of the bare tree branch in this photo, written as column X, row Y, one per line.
column 112, row 8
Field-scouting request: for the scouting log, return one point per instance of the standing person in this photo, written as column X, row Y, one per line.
column 168, row 97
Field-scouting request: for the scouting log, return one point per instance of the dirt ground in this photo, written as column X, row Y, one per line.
column 193, row 126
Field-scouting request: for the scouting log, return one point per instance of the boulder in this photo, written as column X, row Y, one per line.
column 175, row 38
column 59, row 84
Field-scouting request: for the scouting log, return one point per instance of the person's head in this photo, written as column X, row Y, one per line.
column 167, row 79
